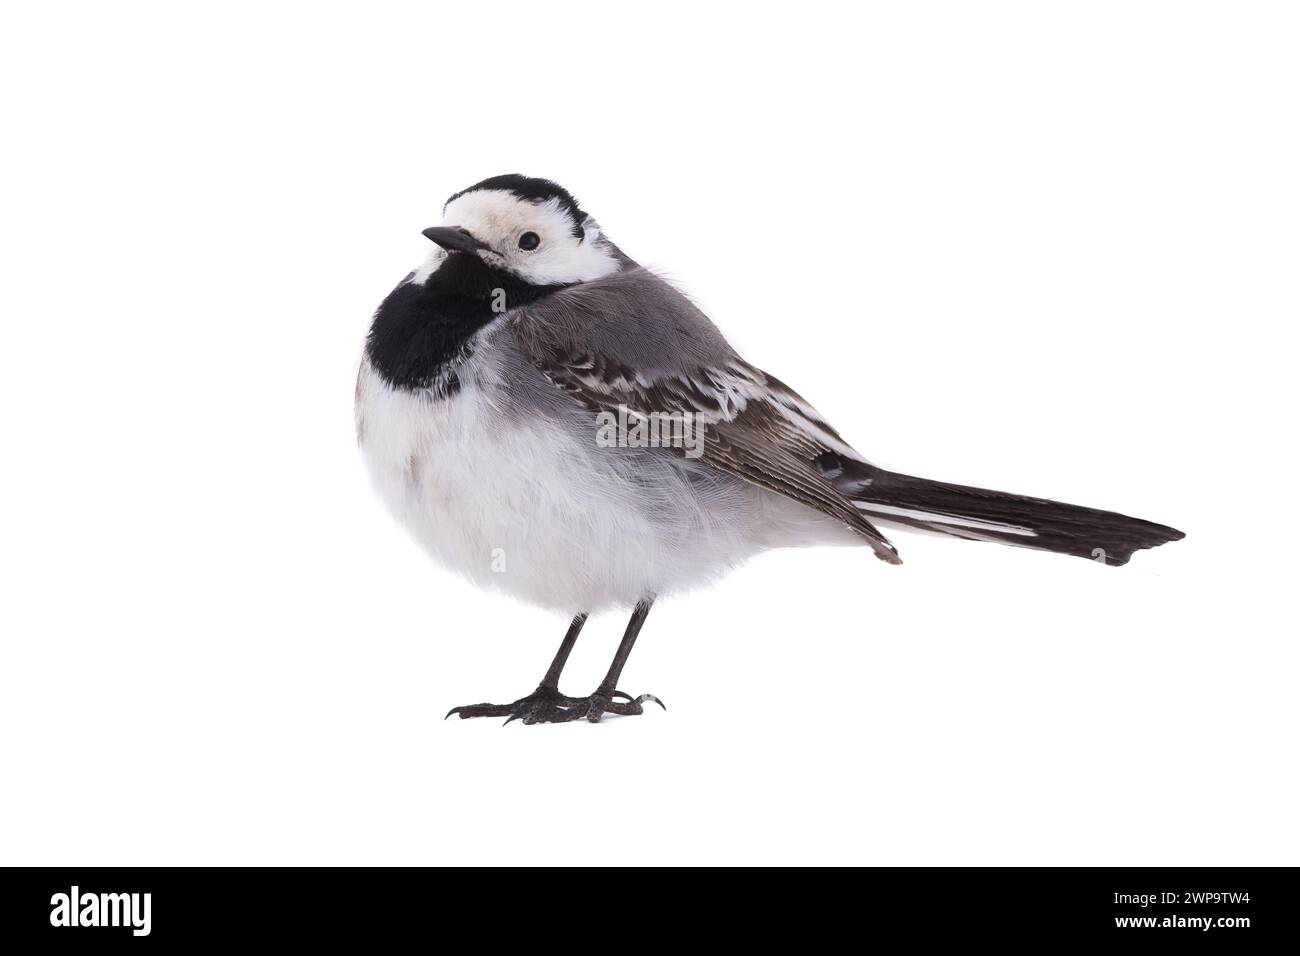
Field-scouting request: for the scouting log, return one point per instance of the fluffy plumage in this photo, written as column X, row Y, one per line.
column 477, row 409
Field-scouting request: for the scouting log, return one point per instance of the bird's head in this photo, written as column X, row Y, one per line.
column 530, row 228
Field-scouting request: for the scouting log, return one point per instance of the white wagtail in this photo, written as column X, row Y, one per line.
column 551, row 419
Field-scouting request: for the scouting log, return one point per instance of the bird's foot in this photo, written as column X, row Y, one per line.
column 542, row 706
column 546, row 705
column 598, row 705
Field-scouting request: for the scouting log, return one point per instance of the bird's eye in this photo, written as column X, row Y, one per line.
column 529, row 241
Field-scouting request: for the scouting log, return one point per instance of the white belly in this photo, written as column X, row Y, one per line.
column 534, row 507
column 532, row 510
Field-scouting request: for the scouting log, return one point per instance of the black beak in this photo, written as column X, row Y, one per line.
column 454, row 240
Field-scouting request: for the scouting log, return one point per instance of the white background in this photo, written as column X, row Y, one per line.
column 1049, row 248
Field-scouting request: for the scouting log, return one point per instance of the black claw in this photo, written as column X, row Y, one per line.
column 466, row 711
column 644, row 697
column 469, row 710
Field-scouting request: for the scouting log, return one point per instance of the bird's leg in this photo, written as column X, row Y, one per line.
column 551, row 679
column 546, row 703
column 602, row 701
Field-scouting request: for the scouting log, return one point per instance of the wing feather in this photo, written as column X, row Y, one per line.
column 754, row 426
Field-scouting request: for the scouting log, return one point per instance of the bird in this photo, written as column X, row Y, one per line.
column 558, row 423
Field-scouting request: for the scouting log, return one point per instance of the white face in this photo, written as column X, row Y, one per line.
column 535, row 241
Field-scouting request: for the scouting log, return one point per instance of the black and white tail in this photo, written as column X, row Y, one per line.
column 981, row 515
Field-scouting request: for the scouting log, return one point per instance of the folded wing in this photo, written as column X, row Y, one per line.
column 632, row 342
